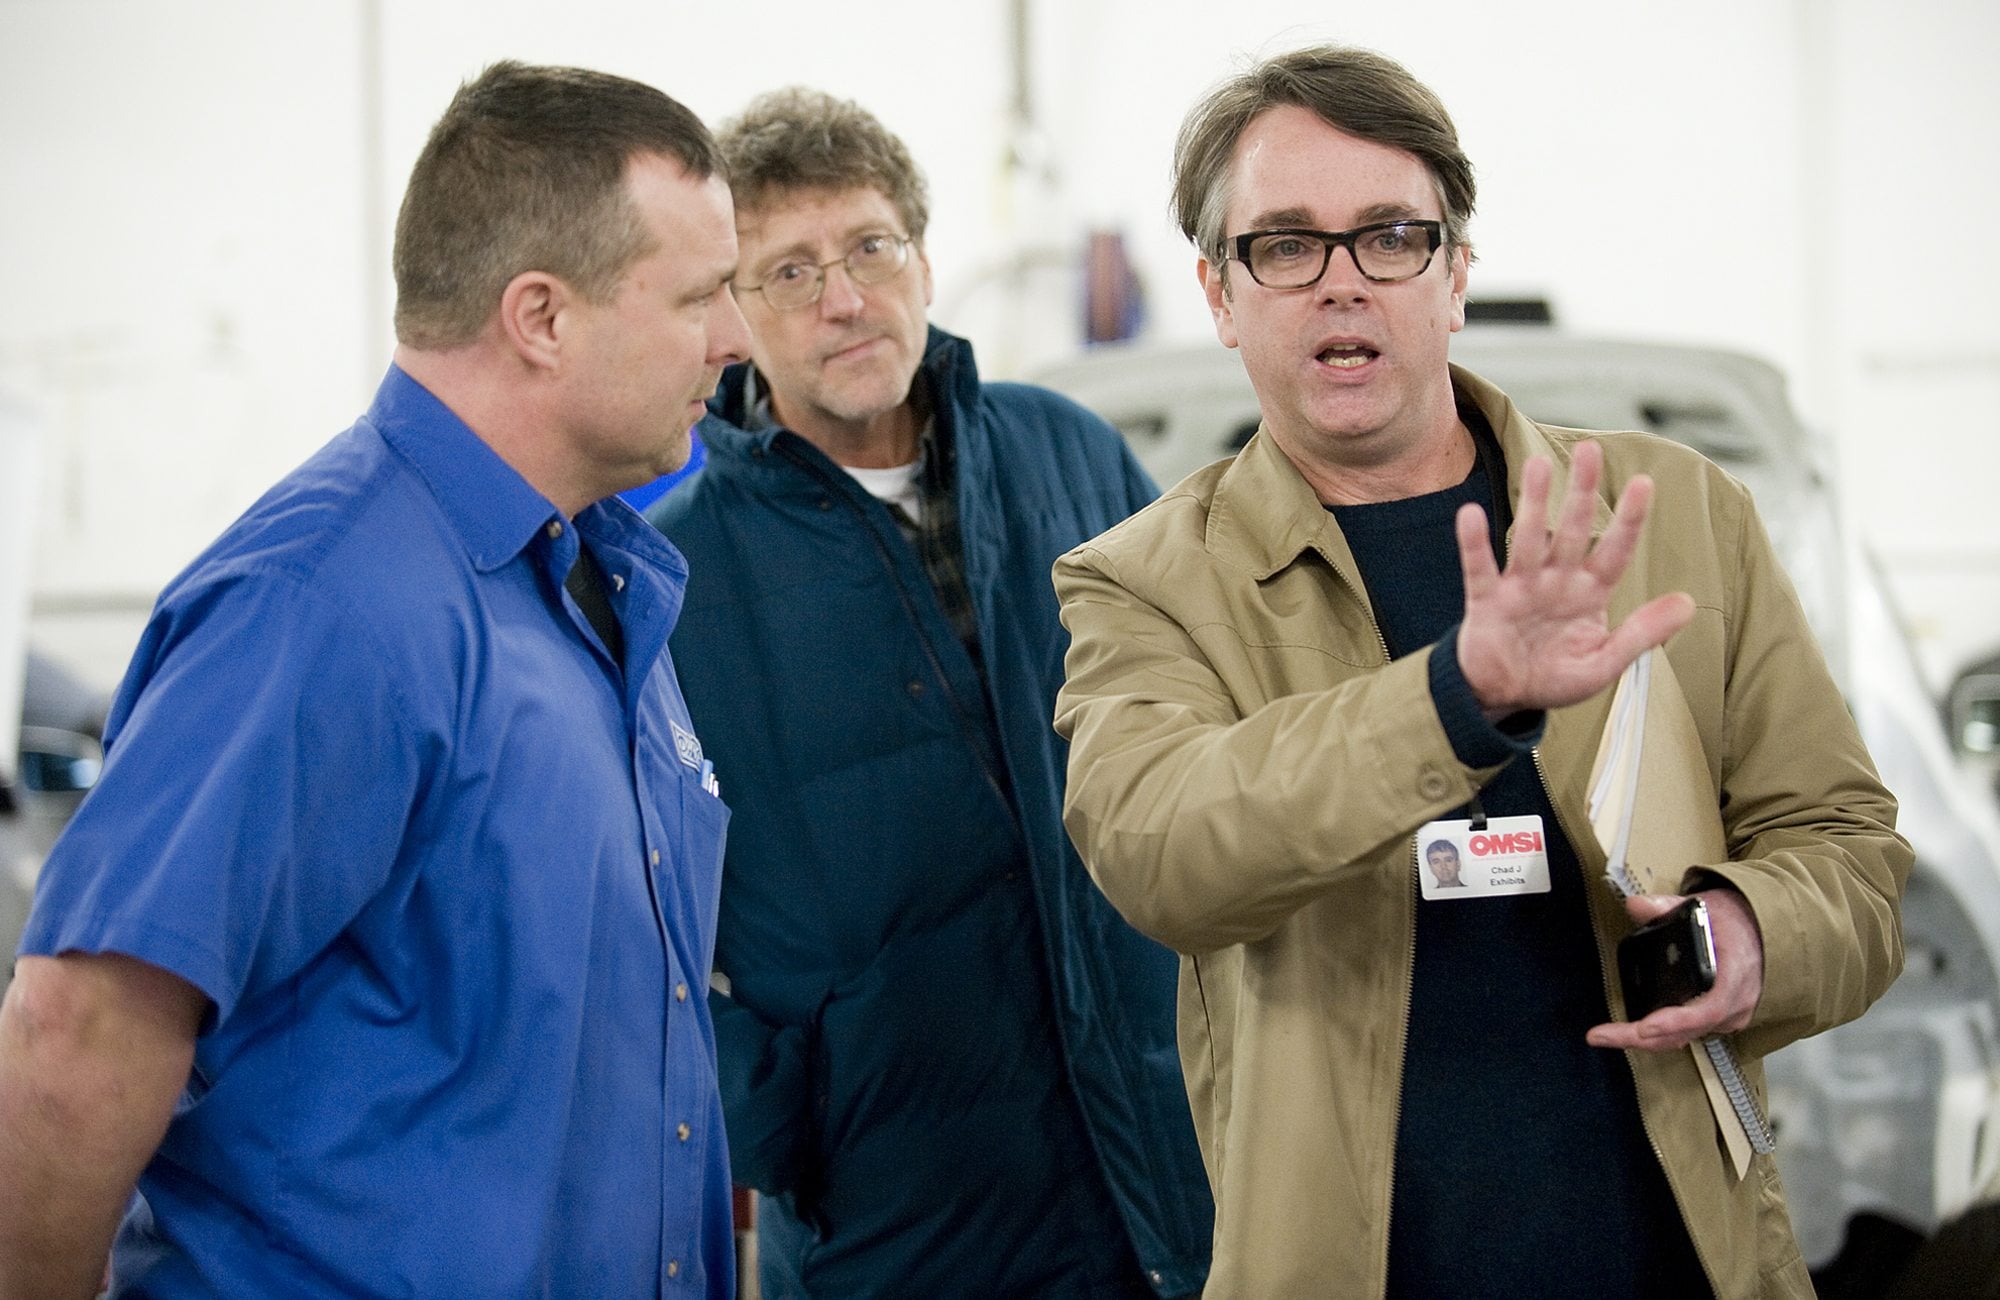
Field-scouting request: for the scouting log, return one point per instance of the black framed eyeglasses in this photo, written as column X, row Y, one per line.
column 1292, row 257
column 874, row 258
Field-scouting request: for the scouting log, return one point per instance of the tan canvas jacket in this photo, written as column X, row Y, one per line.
column 1246, row 773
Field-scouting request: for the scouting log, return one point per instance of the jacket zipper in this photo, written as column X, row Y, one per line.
column 1591, row 906
column 1409, row 965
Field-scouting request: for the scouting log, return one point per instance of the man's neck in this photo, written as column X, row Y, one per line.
column 498, row 400
column 1439, row 461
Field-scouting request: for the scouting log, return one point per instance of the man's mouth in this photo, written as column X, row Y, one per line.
column 853, row 349
column 1347, row 356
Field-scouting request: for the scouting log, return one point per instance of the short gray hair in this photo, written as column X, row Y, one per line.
column 803, row 139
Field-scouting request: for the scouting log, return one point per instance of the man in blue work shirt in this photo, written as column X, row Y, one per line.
column 377, row 957
column 944, row 1058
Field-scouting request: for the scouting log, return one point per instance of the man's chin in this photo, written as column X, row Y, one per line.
column 673, row 458
column 861, row 402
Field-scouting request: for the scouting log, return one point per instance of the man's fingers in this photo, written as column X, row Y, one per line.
column 1579, row 508
column 1475, row 552
column 1614, row 550
column 1663, row 1030
column 1668, row 1028
column 1531, row 522
column 1650, row 625
column 1645, row 907
column 1627, row 1037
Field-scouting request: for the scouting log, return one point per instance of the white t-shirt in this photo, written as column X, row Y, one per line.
column 895, row 486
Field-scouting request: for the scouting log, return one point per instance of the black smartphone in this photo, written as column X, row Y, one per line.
column 1667, row 961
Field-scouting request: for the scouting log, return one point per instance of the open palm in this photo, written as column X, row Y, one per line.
column 1536, row 635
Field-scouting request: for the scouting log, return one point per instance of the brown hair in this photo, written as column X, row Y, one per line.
column 526, row 172
column 798, row 139
column 1356, row 91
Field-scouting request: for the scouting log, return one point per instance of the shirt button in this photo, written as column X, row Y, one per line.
column 673, row 1268
column 1431, row 784
column 656, row 857
column 680, row 992
column 555, row 528
column 618, row 582
column 826, row 503
column 915, row 688
column 1155, row 1275
column 683, row 1132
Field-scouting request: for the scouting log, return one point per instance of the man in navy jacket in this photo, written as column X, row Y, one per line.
column 945, row 1060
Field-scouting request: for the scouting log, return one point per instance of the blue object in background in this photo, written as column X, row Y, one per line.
column 1114, row 302
column 647, row 493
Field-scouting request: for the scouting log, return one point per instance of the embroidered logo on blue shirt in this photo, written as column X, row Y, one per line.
column 686, row 745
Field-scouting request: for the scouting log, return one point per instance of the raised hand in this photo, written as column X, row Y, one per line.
column 1536, row 635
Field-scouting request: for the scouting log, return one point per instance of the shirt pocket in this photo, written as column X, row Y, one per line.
column 698, row 837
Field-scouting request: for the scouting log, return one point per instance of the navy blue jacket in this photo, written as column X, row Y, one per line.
column 942, row 1051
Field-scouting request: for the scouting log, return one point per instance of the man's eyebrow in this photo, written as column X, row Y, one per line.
column 1389, row 212
column 1277, row 218
column 1272, row 218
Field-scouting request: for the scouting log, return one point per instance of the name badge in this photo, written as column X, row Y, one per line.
column 1507, row 856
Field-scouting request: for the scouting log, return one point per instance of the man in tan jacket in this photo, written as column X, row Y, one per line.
column 1298, row 668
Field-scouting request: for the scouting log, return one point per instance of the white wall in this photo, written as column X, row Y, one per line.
column 1908, row 346
column 181, row 241
column 20, row 441
column 201, row 195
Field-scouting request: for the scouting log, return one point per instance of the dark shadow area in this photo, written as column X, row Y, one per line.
column 1886, row 1260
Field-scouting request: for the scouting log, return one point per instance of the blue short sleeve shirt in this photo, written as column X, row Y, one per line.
column 448, row 875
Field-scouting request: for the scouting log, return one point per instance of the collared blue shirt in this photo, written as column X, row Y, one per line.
column 447, row 874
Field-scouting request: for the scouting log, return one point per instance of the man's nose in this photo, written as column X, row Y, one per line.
column 840, row 297
column 1342, row 277
column 730, row 341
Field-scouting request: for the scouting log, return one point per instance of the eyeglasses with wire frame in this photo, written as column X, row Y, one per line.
column 875, row 257
column 1293, row 257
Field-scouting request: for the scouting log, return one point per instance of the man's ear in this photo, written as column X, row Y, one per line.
column 1461, row 264
column 1215, row 284
column 531, row 317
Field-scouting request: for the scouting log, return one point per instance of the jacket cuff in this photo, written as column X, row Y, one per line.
column 1790, row 999
column 1475, row 741
column 762, row 1070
